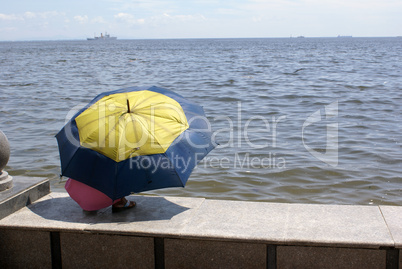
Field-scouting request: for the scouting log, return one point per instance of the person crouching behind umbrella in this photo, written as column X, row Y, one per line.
column 90, row 199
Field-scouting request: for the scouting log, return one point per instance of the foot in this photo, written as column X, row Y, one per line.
column 122, row 205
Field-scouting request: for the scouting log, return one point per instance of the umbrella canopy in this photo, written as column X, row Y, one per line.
column 133, row 140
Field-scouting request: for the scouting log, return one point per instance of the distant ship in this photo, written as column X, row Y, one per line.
column 300, row 36
column 102, row 37
column 344, row 36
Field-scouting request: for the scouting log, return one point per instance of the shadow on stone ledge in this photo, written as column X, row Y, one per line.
column 148, row 208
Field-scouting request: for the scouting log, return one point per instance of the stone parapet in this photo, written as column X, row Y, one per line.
column 178, row 232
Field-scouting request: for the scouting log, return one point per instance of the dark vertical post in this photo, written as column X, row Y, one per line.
column 271, row 256
column 159, row 252
column 55, row 250
column 392, row 260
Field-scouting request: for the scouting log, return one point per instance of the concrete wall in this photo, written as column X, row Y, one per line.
column 172, row 232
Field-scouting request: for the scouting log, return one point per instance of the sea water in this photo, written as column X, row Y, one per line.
column 313, row 120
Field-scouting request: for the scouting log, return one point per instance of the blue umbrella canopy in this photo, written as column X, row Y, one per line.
column 134, row 140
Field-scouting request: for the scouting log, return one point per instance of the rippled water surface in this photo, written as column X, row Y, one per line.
column 314, row 120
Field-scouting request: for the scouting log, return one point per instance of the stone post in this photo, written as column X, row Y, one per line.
column 6, row 181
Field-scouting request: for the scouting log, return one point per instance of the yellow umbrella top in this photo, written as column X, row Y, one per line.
column 124, row 125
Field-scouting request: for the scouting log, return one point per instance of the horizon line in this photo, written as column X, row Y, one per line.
column 171, row 38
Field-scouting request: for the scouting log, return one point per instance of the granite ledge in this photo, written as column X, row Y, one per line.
column 198, row 218
column 393, row 218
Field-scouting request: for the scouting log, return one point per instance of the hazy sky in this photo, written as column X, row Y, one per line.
column 73, row 19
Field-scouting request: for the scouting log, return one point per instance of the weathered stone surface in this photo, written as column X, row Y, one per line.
column 239, row 220
column 56, row 211
column 24, row 249
column 293, row 257
column 213, row 254
column 25, row 191
column 106, row 251
column 343, row 236
column 337, row 225
column 151, row 216
column 393, row 218
column 331, row 225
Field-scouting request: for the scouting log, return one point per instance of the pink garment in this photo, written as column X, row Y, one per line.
column 87, row 198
